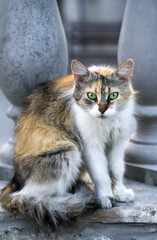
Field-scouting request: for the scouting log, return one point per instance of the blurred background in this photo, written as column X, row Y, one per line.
column 92, row 29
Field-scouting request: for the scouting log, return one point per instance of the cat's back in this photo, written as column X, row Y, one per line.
column 46, row 121
column 49, row 95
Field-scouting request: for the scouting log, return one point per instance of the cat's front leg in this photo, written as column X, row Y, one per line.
column 97, row 166
column 117, row 168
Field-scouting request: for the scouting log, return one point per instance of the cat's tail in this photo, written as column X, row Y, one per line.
column 51, row 210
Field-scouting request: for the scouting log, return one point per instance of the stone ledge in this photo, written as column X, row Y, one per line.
column 136, row 221
column 142, row 210
column 146, row 173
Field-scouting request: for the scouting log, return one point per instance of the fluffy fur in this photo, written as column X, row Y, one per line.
column 67, row 126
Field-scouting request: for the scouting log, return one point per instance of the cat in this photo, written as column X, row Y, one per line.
column 68, row 127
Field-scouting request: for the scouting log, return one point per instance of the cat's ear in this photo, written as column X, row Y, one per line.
column 125, row 70
column 79, row 71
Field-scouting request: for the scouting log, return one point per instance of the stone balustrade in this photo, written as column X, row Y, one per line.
column 32, row 50
column 138, row 40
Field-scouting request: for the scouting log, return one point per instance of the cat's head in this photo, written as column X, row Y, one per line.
column 102, row 91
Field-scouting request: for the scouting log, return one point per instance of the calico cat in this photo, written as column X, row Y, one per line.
column 67, row 126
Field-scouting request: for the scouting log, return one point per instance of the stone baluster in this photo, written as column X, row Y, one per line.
column 32, row 50
column 138, row 40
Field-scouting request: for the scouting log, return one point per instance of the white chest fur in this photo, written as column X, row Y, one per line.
column 97, row 134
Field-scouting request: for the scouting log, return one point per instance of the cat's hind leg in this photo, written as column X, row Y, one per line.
column 41, row 185
column 54, row 172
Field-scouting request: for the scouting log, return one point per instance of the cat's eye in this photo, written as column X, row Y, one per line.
column 113, row 96
column 92, row 96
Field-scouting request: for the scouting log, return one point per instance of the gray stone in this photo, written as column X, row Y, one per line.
column 32, row 46
column 138, row 39
column 146, row 173
column 32, row 50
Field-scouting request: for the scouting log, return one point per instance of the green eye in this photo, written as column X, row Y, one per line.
column 113, row 96
column 92, row 96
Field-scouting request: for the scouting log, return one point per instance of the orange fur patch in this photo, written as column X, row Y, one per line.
column 34, row 137
column 64, row 83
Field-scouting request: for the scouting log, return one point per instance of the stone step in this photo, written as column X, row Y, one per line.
column 126, row 221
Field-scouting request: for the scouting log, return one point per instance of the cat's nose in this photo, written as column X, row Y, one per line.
column 102, row 110
column 103, row 107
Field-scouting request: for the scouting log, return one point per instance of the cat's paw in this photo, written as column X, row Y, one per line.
column 123, row 194
column 107, row 201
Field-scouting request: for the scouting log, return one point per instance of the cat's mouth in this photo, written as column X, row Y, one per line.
column 102, row 117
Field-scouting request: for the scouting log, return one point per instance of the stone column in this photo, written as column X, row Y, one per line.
column 138, row 40
column 32, row 50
